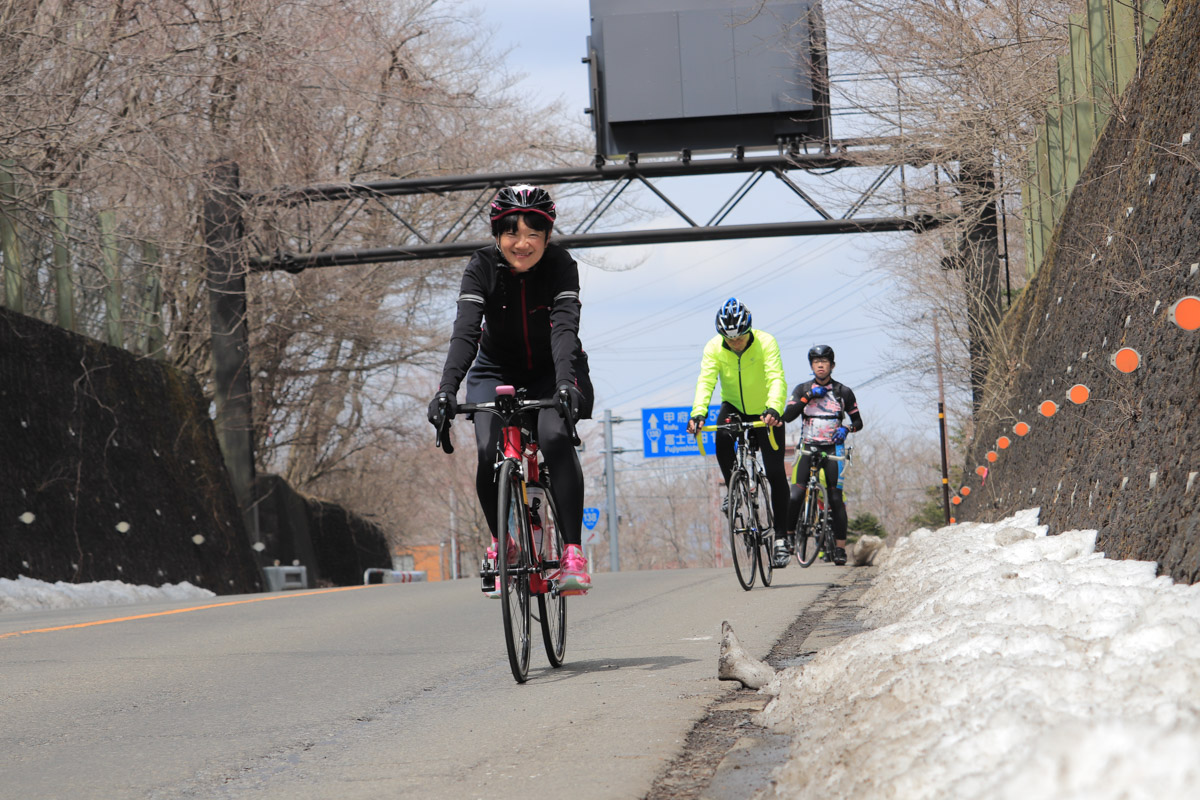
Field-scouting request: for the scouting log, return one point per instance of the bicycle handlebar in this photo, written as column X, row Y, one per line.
column 739, row 425
column 507, row 407
column 830, row 456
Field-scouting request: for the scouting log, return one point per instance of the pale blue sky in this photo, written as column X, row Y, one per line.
column 644, row 327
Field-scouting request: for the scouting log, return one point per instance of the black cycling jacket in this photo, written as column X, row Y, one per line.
column 526, row 322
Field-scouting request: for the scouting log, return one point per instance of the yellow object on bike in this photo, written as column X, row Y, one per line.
column 756, row 424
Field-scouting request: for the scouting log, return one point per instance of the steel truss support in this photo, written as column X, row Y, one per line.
column 543, row 177
column 300, row 262
column 620, row 175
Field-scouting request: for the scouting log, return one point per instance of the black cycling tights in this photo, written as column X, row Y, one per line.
column 773, row 461
column 837, row 503
column 559, row 456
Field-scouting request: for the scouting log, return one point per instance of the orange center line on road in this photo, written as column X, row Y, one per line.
column 184, row 610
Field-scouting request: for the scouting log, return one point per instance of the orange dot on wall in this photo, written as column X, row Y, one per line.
column 1021, row 428
column 1049, row 408
column 966, row 490
column 1003, row 442
column 981, row 470
column 1079, row 394
column 955, row 500
column 1186, row 313
column 1126, row 359
column 953, row 520
column 991, row 455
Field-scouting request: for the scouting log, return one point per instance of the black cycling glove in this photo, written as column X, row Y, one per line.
column 442, row 400
column 573, row 397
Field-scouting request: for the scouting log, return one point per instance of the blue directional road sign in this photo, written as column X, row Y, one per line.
column 664, row 432
column 590, row 517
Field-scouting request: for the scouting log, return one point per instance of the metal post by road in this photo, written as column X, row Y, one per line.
column 453, row 540
column 718, row 518
column 610, row 482
column 937, row 349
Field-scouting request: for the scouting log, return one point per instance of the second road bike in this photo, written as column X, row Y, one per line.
column 750, row 518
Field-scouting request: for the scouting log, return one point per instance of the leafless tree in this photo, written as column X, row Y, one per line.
column 667, row 516
column 123, row 106
column 889, row 475
column 960, row 84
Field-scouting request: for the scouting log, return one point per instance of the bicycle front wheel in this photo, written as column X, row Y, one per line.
column 741, row 530
column 764, row 525
column 827, row 538
column 808, row 532
column 552, row 608
column 513, row 536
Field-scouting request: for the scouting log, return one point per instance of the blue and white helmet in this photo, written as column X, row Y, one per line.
column 733, row 320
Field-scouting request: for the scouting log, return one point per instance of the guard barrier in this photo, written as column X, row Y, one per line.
column 379, row 575
column 283, row 578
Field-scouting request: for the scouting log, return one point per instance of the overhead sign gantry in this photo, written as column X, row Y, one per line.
column 679, row 88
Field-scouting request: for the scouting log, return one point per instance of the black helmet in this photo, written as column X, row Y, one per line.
column 733, row 320
column 821, row 351
column 523, row 198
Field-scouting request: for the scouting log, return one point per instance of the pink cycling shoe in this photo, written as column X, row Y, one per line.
column 574, row 577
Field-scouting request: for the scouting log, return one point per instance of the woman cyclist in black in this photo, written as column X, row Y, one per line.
column 518, row 324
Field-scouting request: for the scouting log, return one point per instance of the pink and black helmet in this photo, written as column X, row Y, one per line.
column 524, row 199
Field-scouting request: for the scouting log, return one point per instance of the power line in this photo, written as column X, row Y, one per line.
column 670, row 377
column 691, row 304
column 694, row 303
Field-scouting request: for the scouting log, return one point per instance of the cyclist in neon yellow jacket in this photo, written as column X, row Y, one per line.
column 747, row 363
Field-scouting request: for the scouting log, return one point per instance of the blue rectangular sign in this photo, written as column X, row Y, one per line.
column 664, row 432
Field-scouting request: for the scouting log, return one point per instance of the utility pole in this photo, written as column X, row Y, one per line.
column 937, row 355
column 225, row 267
column 610, row 483
column 453, row 539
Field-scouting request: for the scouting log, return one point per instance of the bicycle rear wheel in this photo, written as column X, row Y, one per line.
column 552, row 608
column 808, row 532
column 764, row 523
column 513, row 524
column 741, row 530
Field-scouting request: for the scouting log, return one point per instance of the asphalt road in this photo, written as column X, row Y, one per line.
column 369, row 692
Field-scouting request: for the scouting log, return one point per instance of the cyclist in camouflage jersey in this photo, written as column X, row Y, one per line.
column 822, row 404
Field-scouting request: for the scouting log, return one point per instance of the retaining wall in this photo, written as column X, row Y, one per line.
column 110, row 468
column 1127, row 249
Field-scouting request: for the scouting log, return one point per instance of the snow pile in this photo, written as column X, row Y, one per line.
column 27, row 594
column 1005, row 664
